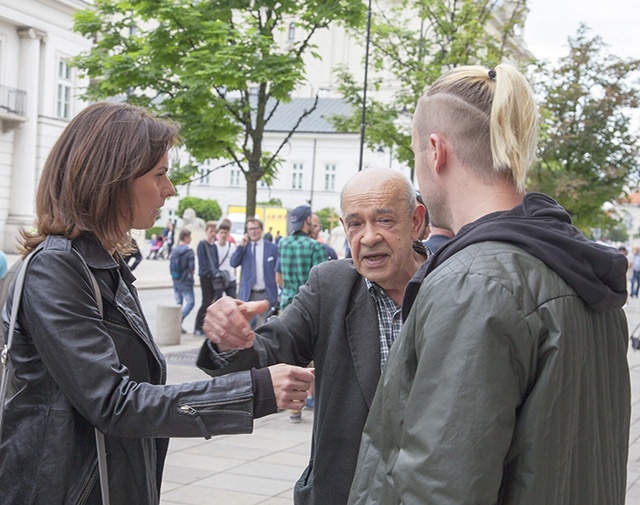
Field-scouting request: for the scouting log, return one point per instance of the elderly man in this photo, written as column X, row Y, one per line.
column 509, row 382
column 345, row 319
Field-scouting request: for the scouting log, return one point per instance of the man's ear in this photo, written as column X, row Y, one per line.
column 439, row 152
column 417, row 222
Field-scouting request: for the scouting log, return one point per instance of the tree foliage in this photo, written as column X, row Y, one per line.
column 206, row 209
column 328, row 218
column 588, row 152
column 273, row 202
column 215, row 66
column 416, row 41
column 617, row 234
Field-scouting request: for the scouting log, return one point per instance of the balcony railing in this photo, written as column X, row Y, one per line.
column 13, row 100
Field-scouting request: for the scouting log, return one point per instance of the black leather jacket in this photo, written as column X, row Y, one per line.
column 72, row 370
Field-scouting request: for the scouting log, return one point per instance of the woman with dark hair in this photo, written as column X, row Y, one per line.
column 80, row 361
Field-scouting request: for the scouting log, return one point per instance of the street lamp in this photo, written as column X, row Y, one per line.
column 364, row 89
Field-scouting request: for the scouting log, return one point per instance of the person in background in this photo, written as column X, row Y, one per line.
column 315, row 234
column 227, row 222
column 509, row 382
column 297, row 255
column 635, row 273
column 3, row 264
column 437, row 237
column 225, row 252
column 344, row 318
column 207, row 270
column 269, row 236
column 183, row 265
column 134, row 255
column 168, row 232
column 258, row 259
column 84, row 360
column 278, row 237
column 156, row 243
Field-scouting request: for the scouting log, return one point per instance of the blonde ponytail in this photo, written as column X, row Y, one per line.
column 514, row 124
column 490, row 117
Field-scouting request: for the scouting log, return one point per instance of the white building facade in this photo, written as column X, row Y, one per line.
column 39, row 94
column 317, row 161
column 38, row 97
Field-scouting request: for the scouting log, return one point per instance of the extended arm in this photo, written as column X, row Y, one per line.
column 287, row 339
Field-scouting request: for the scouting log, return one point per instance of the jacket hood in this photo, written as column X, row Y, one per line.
column 540, row 226
column 180, row 250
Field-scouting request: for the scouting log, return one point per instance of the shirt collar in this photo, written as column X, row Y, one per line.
column 378, row 292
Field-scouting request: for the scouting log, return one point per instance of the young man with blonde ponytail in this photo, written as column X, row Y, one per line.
column 509, row 382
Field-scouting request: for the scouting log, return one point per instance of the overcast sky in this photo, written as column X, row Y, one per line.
column 551, row 22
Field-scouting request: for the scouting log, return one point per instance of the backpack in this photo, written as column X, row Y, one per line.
column 174, row 266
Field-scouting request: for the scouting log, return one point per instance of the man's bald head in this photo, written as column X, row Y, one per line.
column 378, row 180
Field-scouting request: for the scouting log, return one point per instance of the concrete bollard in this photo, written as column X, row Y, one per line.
column 168, row 324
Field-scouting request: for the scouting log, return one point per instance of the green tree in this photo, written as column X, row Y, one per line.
column 417, row 40
column 209, row 210
column 617, row 234
column 273, row 202
column 588, row 152
column 215, row 66
column 328, row 218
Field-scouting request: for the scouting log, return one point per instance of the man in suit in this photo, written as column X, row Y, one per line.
column 258, row 259
column 345, row 319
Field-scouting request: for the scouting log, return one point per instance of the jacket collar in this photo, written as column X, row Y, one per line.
column 98, row 258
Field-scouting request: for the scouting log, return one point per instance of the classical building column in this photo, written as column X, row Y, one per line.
column 23, row 174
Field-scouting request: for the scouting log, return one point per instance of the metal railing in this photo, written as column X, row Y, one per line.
column 13, row 100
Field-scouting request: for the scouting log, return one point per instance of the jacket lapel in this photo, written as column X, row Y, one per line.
column 363, row 335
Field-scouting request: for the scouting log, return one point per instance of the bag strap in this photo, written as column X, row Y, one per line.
column 15, row 306
column 227, row 253
column 6, row 349
column 100, row 444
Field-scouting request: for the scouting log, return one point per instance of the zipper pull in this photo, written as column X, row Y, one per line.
column 188, row 409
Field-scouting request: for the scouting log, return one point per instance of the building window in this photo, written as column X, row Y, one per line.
column 296, row 175
column 330, row 177
column 65, row 83
column 204, row 170
column 292, row 32
column 236, row 175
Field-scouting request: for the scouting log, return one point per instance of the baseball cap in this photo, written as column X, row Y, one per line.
column 297, row 217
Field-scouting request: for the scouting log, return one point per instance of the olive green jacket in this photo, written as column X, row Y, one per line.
column 504, row 387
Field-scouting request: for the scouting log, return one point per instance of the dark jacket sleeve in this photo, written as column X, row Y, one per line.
column 61, row 325
column 191, row 261
column 289, row 338
column 203, row 260
column 238, row 256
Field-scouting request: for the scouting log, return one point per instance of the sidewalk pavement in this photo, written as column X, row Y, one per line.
column 261, row 468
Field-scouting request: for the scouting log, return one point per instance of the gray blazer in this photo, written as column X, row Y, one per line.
column 333, row 321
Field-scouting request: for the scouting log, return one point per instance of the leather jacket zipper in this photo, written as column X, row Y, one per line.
column 89, row 485
column 191, row 411
column 187, row 409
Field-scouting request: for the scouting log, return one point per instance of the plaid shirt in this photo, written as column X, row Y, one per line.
column 389, row 319
column 297, row 254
